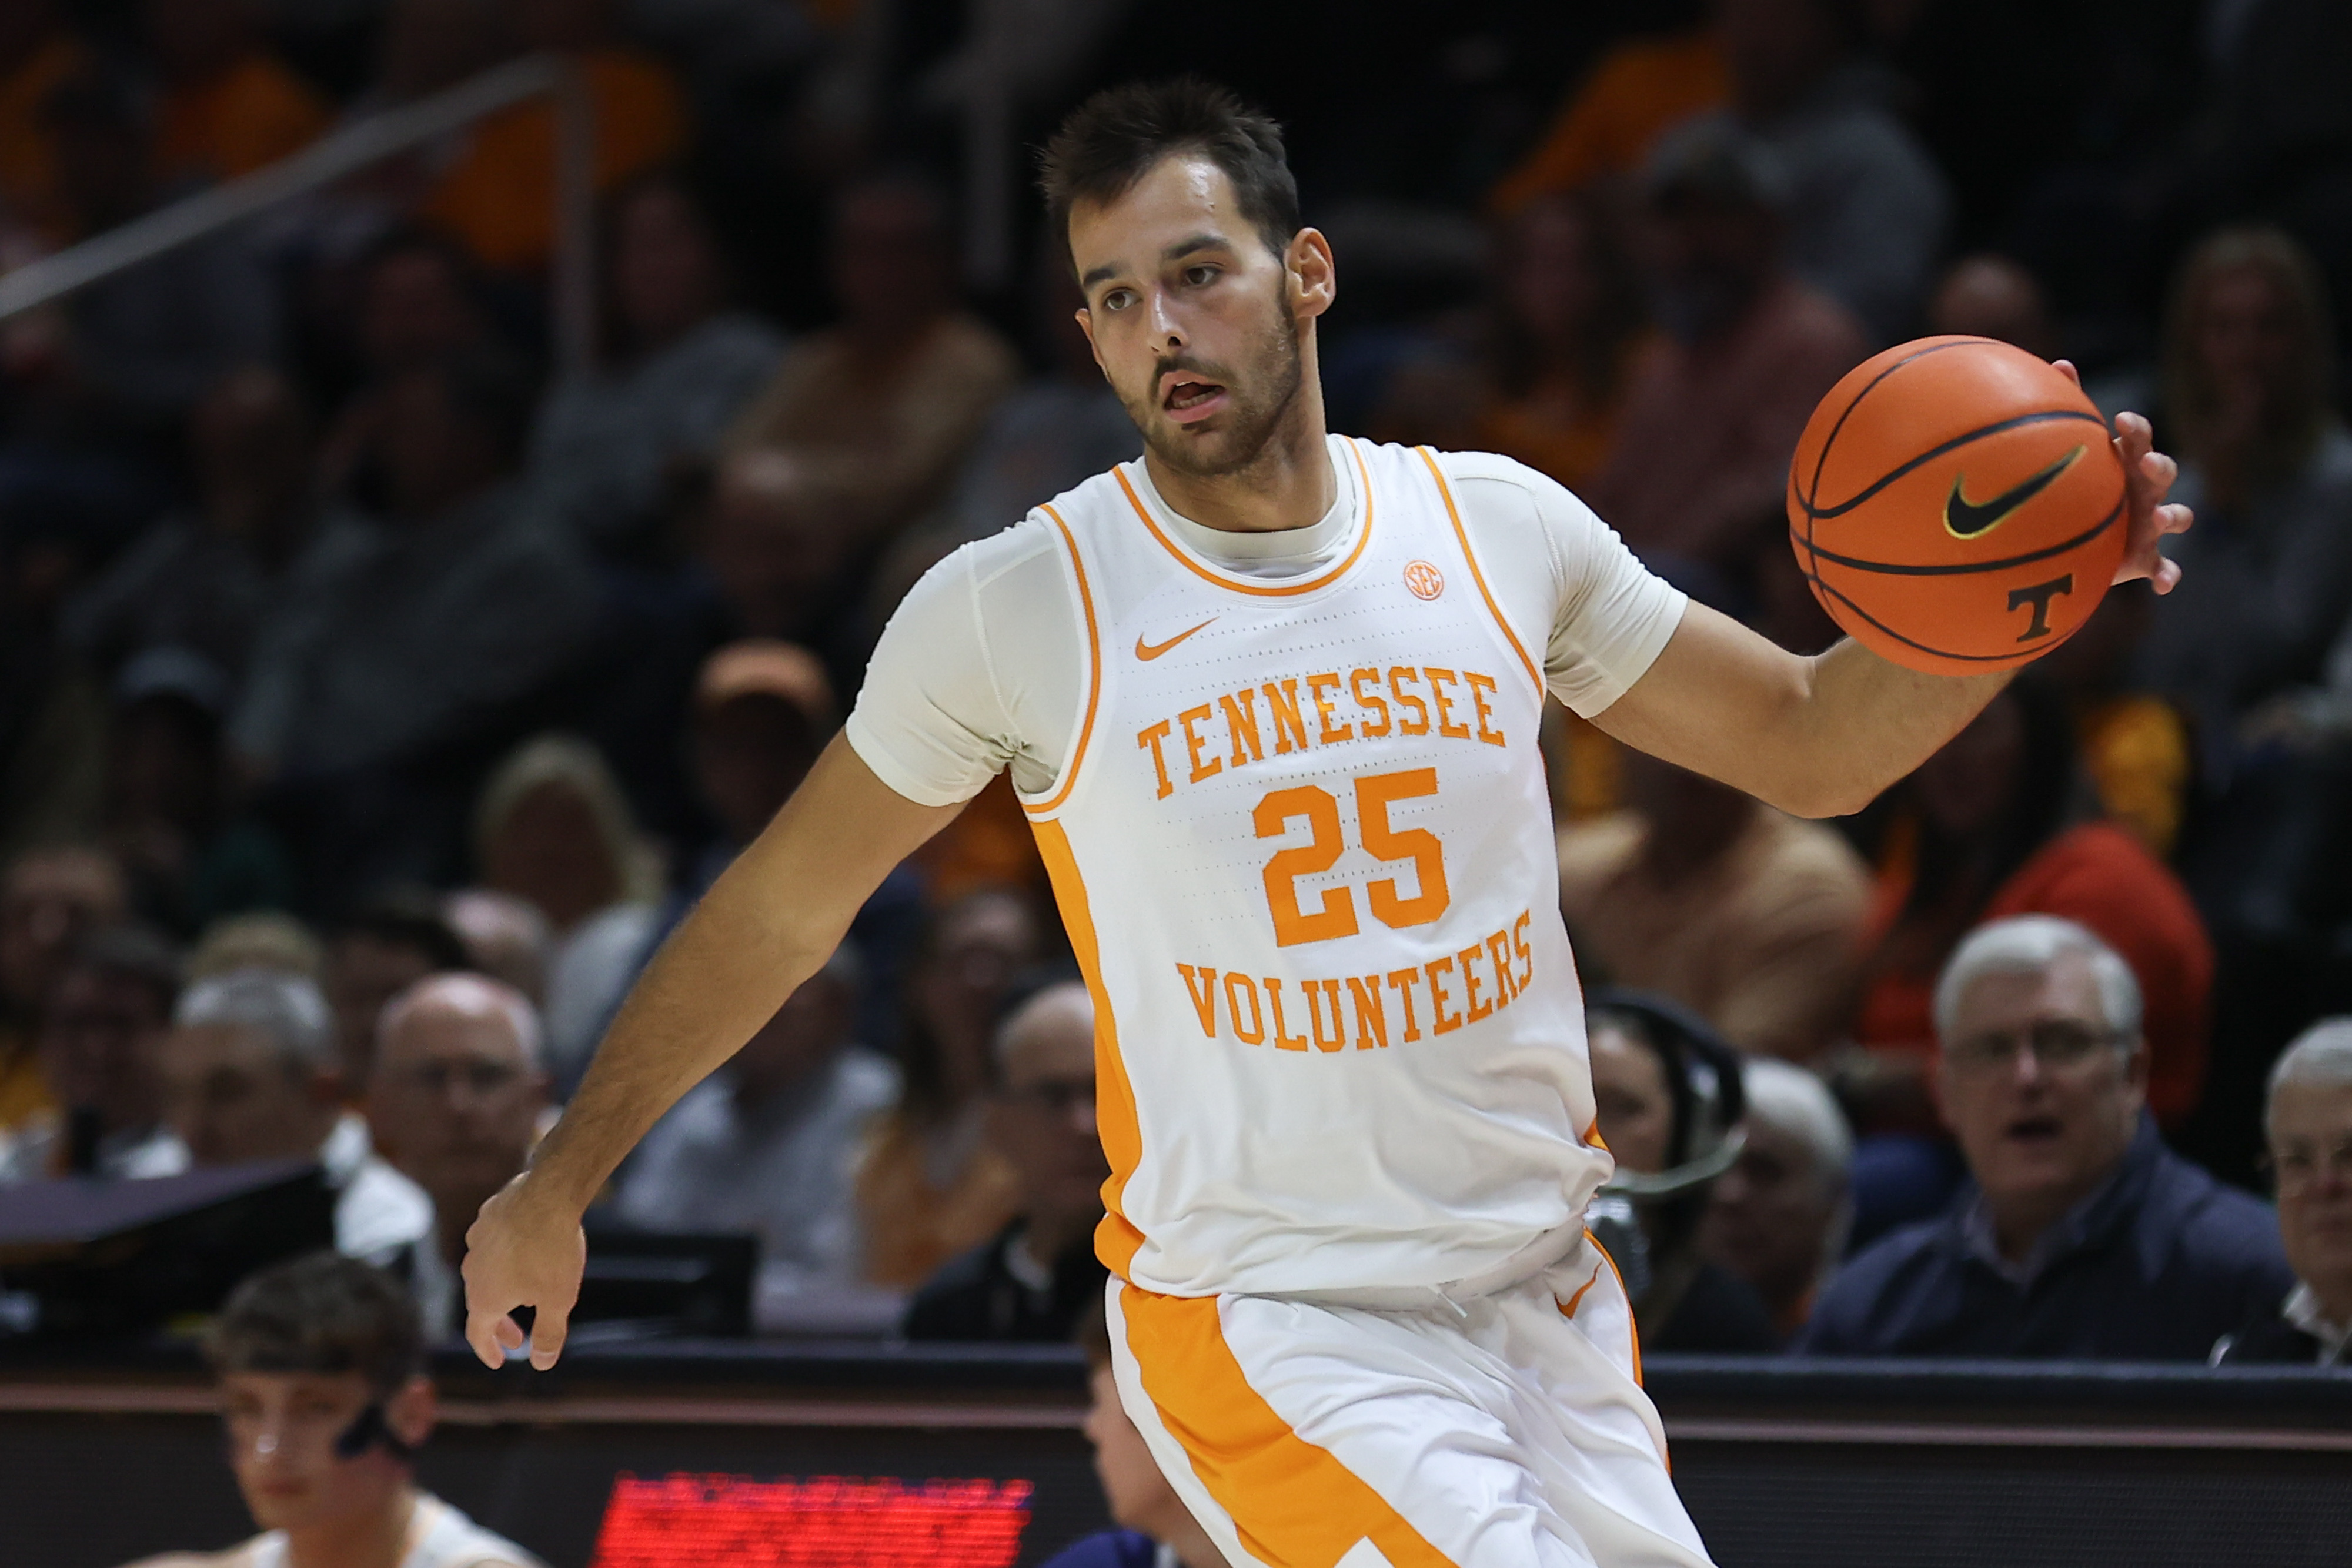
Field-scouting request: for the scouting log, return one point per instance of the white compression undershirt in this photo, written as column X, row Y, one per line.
column 983, row 665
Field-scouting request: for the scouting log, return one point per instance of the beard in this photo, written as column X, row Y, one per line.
column 1260, row 397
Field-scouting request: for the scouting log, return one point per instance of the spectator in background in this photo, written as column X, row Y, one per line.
column 191, row 855
column 455, row 1101
column 779, row 552
column 1641, row 89
column 227, row 107
column 1990, row 295
column 265, row 940
column 443, row 600
column 884, row 405
column 553, row 829
column 2308, row 1125
column 324, row 1397
column 506, row 937
column 200, row 579
column 1039, row 1272
column 1780, row 1217
column 249, row 1073
column 1867, row 207
column 767, row 1144
column 2135, row 744
column 389, row 943
column 50, row 900
column 763, row 711
column 1659, row 1106
column 1155, row 1529
column 52, row 704
column 146, row 341
column 1717, row 400
column 102, row 1028
column 499, row 194
column 2078, row 1234
column 2266, row 581
column 422, row 301
column 37, row 53
column 931, row 1186
column 1568, row 322
column 1991, row 841
column 1752, row 919
column 679, row 365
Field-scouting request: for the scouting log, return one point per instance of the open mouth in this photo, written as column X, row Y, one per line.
column 2039, row 1132
column 1187, row 398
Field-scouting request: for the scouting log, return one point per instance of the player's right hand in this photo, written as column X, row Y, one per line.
column 524, row 1249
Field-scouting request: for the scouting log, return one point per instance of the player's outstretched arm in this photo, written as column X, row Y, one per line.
column 1821, row 737
column 767, row 925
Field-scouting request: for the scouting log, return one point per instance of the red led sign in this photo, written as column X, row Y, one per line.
column 825, row 1521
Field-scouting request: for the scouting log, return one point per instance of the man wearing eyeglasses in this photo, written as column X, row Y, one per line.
column 2308, row 1125
column 455, row 1099
column 1034, row 1280
column 2079, row 1234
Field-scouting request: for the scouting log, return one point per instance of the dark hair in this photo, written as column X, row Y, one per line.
column 136, row 953
column 320, row 1313
column 492, row 390
column 405, row 919
column 1119, row 134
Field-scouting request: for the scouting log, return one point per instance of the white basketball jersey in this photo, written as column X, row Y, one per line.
column 1304, row 851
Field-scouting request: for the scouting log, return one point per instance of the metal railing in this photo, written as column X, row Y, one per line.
column 346, row 152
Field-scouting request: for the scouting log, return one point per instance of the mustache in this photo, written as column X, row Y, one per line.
column 1162, row 365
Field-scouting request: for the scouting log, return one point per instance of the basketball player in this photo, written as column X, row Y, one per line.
column 323, row 1393
column 1270, row 696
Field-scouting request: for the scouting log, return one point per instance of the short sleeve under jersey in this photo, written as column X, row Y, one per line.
column 982, row 668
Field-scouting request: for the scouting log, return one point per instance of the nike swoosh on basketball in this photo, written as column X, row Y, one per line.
column 1146, row 651
column 1966, row 519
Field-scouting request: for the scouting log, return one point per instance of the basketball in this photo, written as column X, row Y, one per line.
column 1957, row 505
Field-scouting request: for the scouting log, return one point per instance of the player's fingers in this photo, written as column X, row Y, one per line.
column 2066, row 368
column 2159, row 471
column 2174, row 519
column 482, row 1334
column 547, row 1335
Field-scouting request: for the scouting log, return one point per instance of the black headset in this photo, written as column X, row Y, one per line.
column 1704, row 1076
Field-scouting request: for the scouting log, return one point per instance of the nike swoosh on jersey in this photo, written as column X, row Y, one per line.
column 1967, row 520
column 1146, row 651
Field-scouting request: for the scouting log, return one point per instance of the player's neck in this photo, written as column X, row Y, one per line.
column 374, row 1537
column 1290, row 484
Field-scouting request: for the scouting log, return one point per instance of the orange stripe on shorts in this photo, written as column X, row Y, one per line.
column 1295, row 1505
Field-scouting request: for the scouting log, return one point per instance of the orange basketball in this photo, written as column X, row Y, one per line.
column 1957, row 505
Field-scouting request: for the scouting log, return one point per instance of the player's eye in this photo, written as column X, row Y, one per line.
column 1118, row 299
column 1199, row 277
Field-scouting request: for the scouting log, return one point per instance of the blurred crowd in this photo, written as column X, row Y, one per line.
column 377, row 690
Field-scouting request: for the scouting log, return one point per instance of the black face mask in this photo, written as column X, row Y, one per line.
column 369, row 1429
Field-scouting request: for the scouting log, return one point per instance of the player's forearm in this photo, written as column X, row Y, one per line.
column 720, row 975
column 1867, row 723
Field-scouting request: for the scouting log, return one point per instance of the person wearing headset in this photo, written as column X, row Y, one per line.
column 1667, row 1094
column 323, row 1393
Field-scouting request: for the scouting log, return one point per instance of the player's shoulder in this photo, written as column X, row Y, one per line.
column 1491, row 486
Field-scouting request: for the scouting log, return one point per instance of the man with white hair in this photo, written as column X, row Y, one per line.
column 2079, row 1234
column 455, row 1096
column 1779, row 1217
column 2307, row 1124
column 249, row 1073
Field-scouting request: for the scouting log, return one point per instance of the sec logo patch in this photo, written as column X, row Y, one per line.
column 1424, row 580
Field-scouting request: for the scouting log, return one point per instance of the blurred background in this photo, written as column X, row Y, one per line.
column 420, row 577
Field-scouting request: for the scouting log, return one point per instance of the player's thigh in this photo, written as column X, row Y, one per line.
column 1303, row 1437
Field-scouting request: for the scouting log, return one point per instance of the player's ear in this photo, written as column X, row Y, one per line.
column 412, row 1412
column 1313, row 277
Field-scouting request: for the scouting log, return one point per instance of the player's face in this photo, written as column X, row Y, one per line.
column 1200, row 327
column 282, row 1428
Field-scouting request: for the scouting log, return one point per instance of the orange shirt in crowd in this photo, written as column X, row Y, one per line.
column 2136, row 749
column 2100, row 876
column 1639, row 90
column 500, row 195
column 28, row 156
column 245, row 118
column 23, row 1086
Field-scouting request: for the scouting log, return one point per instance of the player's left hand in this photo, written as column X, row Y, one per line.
column 2147, row 478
